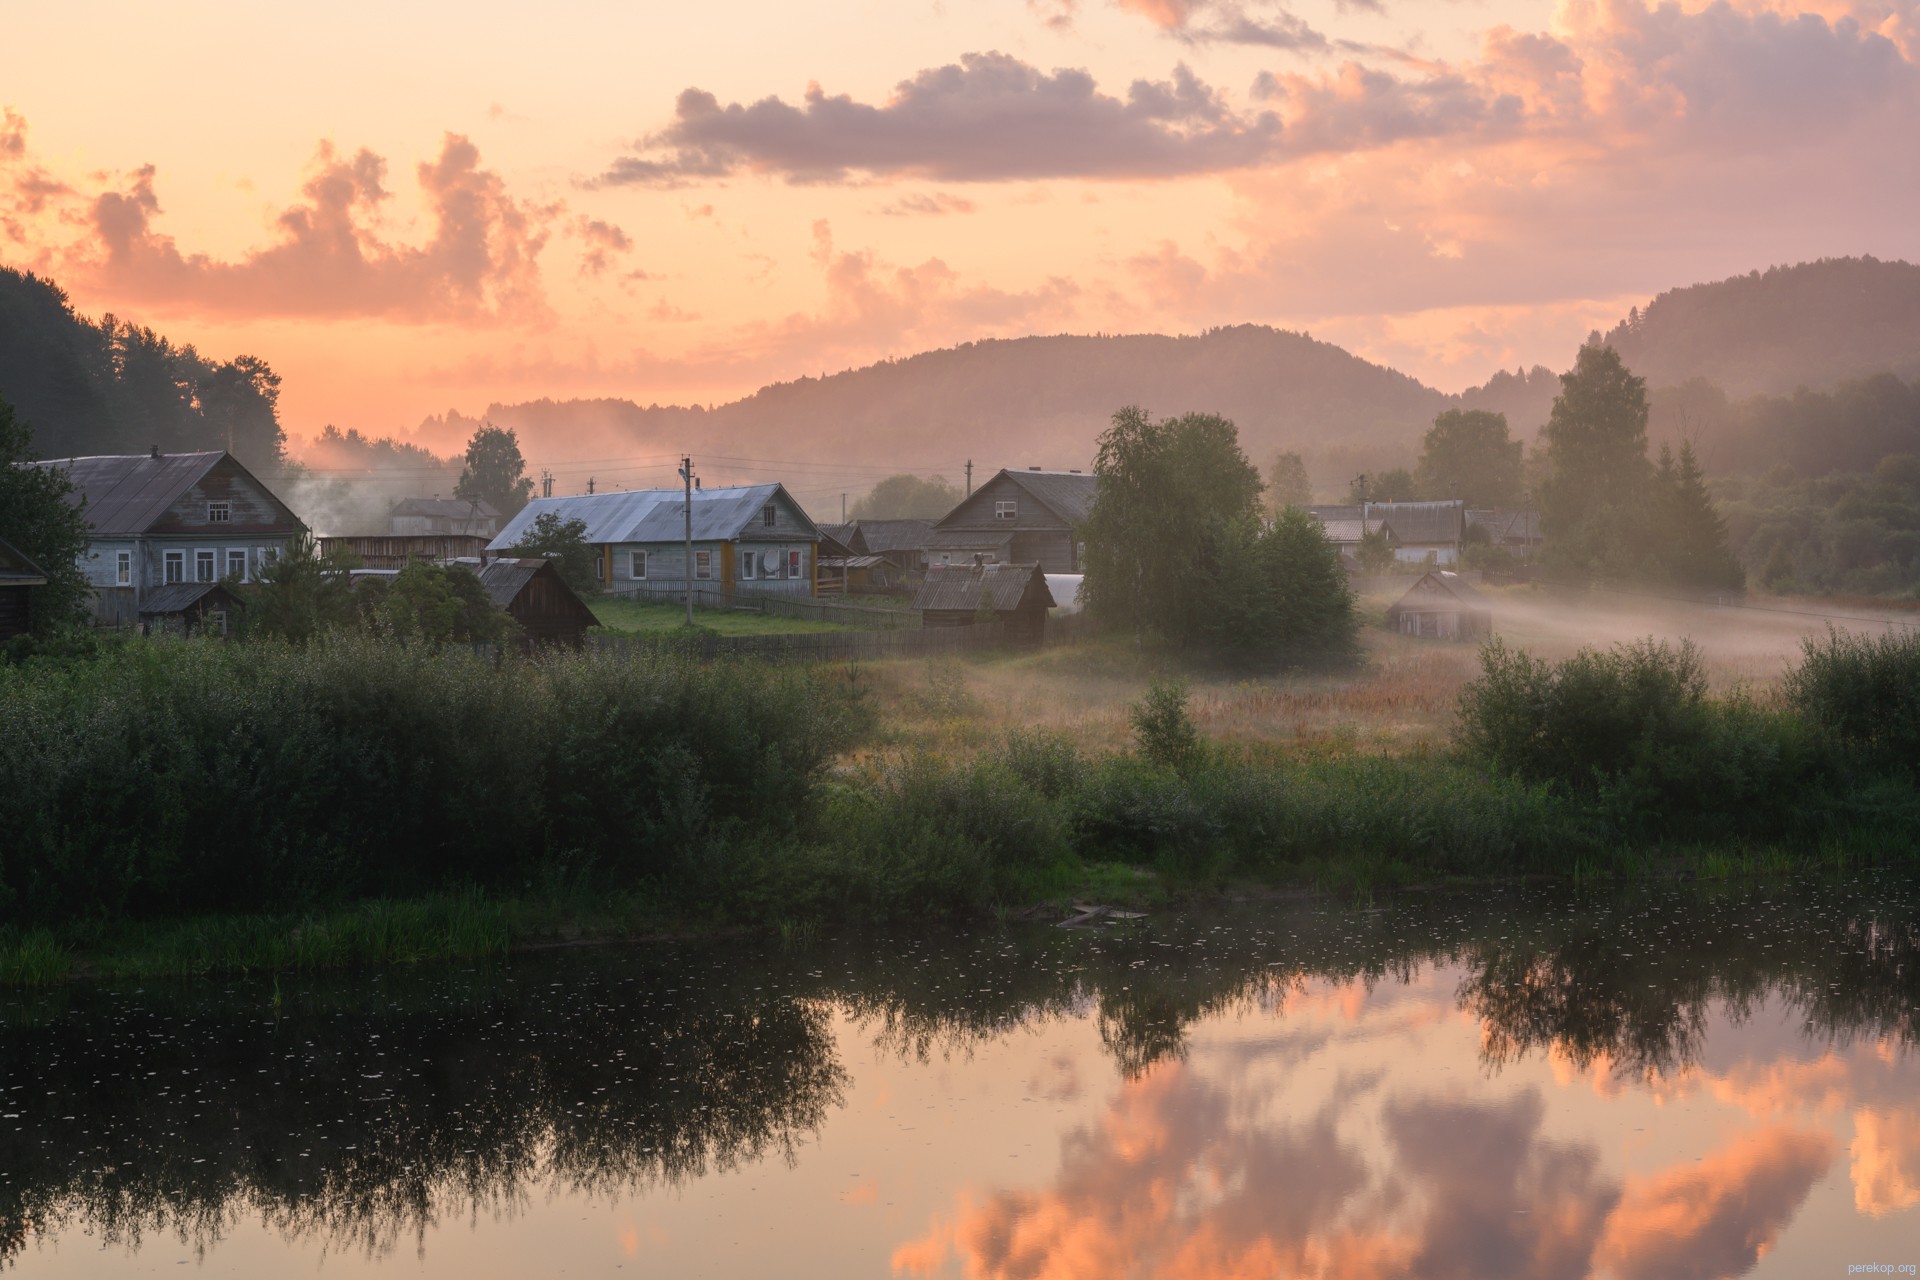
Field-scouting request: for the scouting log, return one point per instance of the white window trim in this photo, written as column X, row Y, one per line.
column 703, row 566
column 1007, row 509
column 206, row 551
column 796, row 564
column 167, row 560
column 242, row 553
column 123, row 568
column 748, row 560
column 637, row 565
column 225, row 507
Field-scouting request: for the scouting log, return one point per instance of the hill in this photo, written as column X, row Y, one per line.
column 1771, row 332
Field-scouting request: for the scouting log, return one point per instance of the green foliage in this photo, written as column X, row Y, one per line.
column 1162, row 727
column 1468, row 455
column 1282, row 599
column 563, row 539
column 495, row 472
column 170, row 777
column 1856, row 534
column 907, row 497
column 112, row 387
column 1287, row 483
column 301, row 594
column 1394, row 484
column 1690, row 536
column 37, row 517
column 1375, row 552
column 1866, row 691
column 433, row 603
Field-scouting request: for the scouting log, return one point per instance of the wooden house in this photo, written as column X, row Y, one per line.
column 428, row 517
column 18, row 577
column 1421, row 532
column 1442, row 606
column 534, row 595
column 164, row 519
column 1515, row 529
column 1015, row 595
column 397, row 551
column 901, row 543
column 184, row 608
column 1017, row 517
column 746, row 538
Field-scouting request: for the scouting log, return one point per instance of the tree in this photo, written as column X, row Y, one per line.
column 1174, row 500
column 1597, row 460
column 1375, row 552
column 1467, row 455
column 495, row 471
column 439, row 604
column 239, row 401
column 907, row 497
column 1287, row 483
column 301, row 594
column 1283, row 599
column 1395, row 484
column 39, row 516
column 1693, row 550
column 563, row 540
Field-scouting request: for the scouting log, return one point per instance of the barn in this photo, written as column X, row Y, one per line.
column 1442, row 606
column 959, row 595
column 534, row 595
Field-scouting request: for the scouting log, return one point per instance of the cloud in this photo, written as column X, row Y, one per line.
column 603, row 241
column 13, row 134
column 1716, row 1217
column 955, row 123
column 927, row 203
column 1247, row 22
column 1885, row 1160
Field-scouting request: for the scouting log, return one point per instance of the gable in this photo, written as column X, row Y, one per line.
column 1042, row 500
column 251, row 507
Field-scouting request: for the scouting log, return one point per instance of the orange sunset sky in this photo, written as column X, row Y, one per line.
column 416, row 206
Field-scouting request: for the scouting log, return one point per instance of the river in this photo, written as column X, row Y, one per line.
column 1662, row 1081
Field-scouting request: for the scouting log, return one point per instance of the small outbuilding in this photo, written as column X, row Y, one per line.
column 1015, row 595
column 1442, row 606
column 534, row 595
column 18, row 577
column 186, row 607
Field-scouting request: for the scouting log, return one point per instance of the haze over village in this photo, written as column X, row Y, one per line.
column 1039, row 638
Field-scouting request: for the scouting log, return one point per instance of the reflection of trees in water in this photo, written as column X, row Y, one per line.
column 357, row 1129
column 378, row 1107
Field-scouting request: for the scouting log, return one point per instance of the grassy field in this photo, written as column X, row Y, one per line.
column 637, row 616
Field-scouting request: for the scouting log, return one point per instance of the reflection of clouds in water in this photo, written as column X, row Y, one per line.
column 1057, row 1079
column 1886, row 1161
column 1718, row 1216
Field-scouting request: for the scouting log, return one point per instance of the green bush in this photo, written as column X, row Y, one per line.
column 1162, row 729
column 1865, row 690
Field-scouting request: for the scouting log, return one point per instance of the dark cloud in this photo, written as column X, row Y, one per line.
column 927, row 203
column 13, row 134
column 990, row 117
column 603, row 241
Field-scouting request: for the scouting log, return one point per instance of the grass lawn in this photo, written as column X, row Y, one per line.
column 634, row 615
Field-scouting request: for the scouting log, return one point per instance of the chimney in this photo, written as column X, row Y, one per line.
column 1074, row 472
column 979, row 564
column 155, row 453
column 1033, row 468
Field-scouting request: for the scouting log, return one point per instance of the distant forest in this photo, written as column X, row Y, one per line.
column 107, row 386
column 1798, row 387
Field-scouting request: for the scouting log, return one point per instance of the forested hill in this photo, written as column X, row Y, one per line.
column 1813, row 325
column 90, row 387
column 1031, row 401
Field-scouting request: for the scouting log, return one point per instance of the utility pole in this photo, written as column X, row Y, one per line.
column 589, row 484
column 686, row 478
column 843, row 508
column 546, row 483
column 969, row 477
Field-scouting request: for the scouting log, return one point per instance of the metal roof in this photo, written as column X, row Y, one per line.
column 652, row 515
column 16, row 570
column 126, row 493
column 967, row 539
column 851, row 562
column 1349, row 532
column 504, row 578
column 1440, row 589
column 1413, row 522
column 882, row 536
column 178, row 597
column 1068, row 494
column 1517, row 525
column 962, row 587
column 453, row 508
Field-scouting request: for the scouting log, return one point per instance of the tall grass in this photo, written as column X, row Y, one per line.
column 177, row 777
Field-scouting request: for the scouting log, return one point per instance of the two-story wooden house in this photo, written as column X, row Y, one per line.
column 753, row 538
column 159, row 519
column 1017, row 517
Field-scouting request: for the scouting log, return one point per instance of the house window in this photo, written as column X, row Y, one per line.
column 793, row 564
column 219, row 512
column 203, row 566
column 1006, row 510
column 237, row 563
column 946, row 557
column 267, row 556
column 123, row 568
column 703, row 564
column 176, row 562
column 749, row 562
column 768, row 517
column 637, row 564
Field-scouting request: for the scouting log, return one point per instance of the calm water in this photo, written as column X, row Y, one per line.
column 1662, row 1083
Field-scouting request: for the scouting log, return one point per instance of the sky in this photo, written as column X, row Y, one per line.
column 413, row 207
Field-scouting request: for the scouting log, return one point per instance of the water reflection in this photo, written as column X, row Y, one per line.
column 1644, row 1084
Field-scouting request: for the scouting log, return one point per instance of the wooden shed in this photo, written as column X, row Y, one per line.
column 534, row 594
column 1442, row 606
column 958, row 595
column 18, row 577
column 187, row 607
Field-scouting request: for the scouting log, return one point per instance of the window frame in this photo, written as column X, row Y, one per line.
column 212, row 558
column 1006, row 509
column 769, row 516
column 123, row 568
column 173, row 567
column 748, row 560
column 220, row 512
column 637, row 565
column 795, row 568
column 703, row 566
column 239, row 554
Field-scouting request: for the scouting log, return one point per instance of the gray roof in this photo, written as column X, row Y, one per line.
column 1503, row 525
column 651, row 515
column 126, row 493
column 962, row 587
column 851, row 562
column 1413, row 522
column 1068, row 494
column 504, row 578
column 844, row 534
column 16, row 570
column 968, row 539
column 453, row 508
column 177, row 597
column 1440, row 589
column 1349, row 532
column 882, row 536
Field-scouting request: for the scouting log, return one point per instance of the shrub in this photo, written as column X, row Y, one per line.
column 1865, row 690
column 1163, row 730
